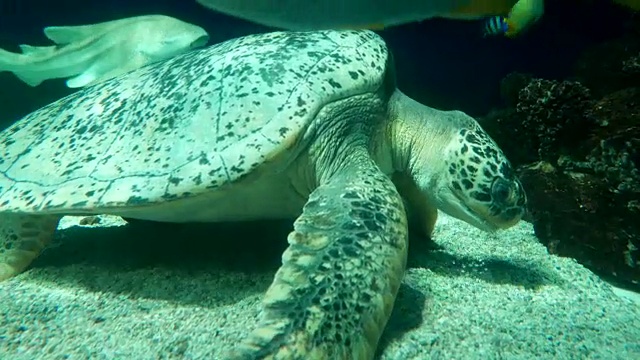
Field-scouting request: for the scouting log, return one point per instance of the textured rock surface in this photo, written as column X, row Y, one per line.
column 575, row 142
column 577, row 215
column 191, row 292
column 579, row 160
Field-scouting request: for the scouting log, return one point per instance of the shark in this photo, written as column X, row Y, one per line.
column 89, row 54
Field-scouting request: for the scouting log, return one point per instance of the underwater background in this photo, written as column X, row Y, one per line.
column 562, row 101
column 545, row 98
column 442, row 63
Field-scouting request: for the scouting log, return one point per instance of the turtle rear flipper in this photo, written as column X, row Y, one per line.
column 22, row 238
column 334, row 293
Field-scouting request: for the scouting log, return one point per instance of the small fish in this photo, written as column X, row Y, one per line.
column 496, row 25
column 88, row 54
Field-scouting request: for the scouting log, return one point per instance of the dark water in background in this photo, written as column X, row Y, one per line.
column 442, row 63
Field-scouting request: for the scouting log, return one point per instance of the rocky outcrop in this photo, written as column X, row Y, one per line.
column 577, row 150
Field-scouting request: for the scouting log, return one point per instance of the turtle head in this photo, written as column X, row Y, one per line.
column 458, row 168
column 478, row 184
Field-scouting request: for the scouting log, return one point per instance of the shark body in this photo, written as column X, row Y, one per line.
column 87, row 54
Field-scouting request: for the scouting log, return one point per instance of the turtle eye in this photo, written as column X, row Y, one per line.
column 501, row 190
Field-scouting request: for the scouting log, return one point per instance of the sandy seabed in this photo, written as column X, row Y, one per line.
column 156, row 291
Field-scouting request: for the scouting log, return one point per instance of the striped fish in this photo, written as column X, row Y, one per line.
column 495, row 25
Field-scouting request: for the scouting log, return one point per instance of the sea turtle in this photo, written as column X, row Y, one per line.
column 274, row 125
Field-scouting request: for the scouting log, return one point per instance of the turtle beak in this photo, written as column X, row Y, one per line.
column 454, row 204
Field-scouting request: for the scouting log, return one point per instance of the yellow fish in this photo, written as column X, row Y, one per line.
column 513, row 21
column 375, row 14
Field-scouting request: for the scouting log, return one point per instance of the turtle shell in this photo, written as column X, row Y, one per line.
column 184, row 126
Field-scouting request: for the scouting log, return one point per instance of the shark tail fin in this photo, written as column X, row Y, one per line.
column 14, row 62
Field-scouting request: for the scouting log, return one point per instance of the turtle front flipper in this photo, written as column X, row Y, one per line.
column 334, row 293
column 421, row 212
column 22, row 238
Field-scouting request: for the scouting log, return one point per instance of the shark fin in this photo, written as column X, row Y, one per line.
column 93, row 74
column 37, row 50
column 105, row 69
column 11, row 61
column 30, row 78
column 67, row 34
column 84, row 79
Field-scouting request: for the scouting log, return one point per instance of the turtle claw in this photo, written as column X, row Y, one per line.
column 22, row 238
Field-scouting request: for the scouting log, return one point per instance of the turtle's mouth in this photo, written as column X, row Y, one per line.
column 480, row 222
column 454, row 204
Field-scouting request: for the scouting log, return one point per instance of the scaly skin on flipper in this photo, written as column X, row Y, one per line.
column 334, row 293
column 22, row 238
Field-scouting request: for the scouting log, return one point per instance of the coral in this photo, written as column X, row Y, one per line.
column 554, row 113
column 615, row 142
column 585, row 200
column 617, row 161
column 632, row 65
column 546, row 121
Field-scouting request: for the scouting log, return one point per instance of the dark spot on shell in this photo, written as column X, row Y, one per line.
column 334, row 84
column 175, row 180
column 137, row 200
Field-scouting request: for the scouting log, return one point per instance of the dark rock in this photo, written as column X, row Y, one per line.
column 577, row 215
column 554, row 112
column 579, row 162
column 548, row 120
column 632, row 65
column 614, row 144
